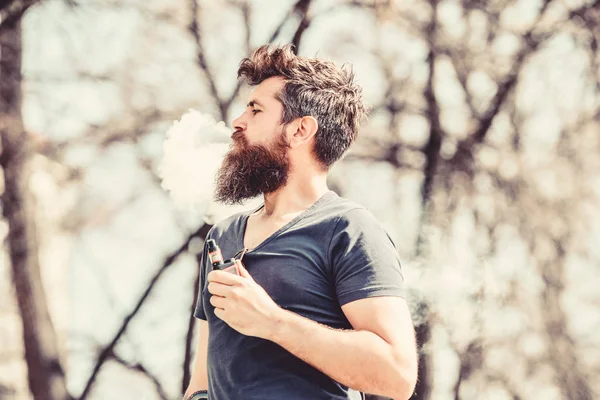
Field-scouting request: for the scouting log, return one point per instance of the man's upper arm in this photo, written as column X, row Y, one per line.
column 199, row 379
column 365, row 262
column 389, row 318
column 202, row 350
column 386, row 316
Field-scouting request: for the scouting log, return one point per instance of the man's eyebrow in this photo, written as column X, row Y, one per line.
column 253, row 103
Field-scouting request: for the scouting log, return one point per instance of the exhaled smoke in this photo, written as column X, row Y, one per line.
column 193, row 151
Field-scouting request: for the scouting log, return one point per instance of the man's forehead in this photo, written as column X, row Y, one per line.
column 267, row 91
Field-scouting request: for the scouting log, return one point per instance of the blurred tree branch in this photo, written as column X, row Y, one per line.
column 431, row 151
column 423, row 335
column 463, row 157
column 114, row 131
column 12, row 11
column 108, row 350
column 194, row 29
column 572, row 381
column 505, row 384
column 471, row 360
column 300, row 8
column 245, row 9
column 7, row 392
column 138, row 367
column 551, row 248
column 434, row 143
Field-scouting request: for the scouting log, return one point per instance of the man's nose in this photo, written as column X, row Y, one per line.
column 239, row 124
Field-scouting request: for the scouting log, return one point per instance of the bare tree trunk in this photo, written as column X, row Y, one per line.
column 432, row 151
column 423, row 333
column 45, row 374
column 562, row 352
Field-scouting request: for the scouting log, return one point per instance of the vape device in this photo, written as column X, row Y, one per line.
column 216, row 258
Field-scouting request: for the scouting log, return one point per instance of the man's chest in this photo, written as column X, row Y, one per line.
column 293, row 270
column 256, row 234
column 258, row 230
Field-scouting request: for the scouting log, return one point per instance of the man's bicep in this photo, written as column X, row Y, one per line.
column 389, row 318
column 386, row 316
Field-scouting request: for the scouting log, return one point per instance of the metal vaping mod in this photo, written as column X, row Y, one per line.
column 216, row 258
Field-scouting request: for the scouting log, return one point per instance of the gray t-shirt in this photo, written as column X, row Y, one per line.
column 333, row 253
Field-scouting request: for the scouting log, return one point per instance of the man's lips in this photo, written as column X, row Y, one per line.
column 237, row 135
column 238, row 139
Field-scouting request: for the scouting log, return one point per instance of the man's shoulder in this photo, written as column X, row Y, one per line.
column 357, row 224
column 348, row 211
column 343, row 214
column 354, row 217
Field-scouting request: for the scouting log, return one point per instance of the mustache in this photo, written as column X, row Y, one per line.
column 239, row 140
column 237, row 135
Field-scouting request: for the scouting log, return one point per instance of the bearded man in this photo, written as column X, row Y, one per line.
column 316, row 308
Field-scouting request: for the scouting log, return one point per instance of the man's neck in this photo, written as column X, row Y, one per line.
column 295, row 197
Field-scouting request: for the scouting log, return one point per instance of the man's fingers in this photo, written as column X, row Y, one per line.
column 217, row 301
column 242, row 270
column 218, row 289
column 219, row 313
column 224, row 278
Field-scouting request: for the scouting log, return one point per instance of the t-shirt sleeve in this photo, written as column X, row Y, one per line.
column 365, row 262
column 199, row 310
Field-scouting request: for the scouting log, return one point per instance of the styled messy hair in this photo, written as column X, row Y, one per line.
column 316, row 88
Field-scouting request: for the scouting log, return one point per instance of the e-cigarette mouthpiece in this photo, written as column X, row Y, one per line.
column 214, row 253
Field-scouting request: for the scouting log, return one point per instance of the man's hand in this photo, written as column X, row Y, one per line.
column 242, row 303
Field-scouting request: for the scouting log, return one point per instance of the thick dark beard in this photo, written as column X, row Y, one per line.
column 252, row 170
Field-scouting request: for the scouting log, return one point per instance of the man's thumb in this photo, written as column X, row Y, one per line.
column 242, row 270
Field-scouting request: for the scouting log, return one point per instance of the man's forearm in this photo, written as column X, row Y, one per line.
column 194, row 387
column 198, row 381
column 199, row 378
column 358, row 359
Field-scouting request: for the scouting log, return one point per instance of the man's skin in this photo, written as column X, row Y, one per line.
column 379, row 356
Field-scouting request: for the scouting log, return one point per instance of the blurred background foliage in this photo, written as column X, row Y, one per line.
column 480, row 158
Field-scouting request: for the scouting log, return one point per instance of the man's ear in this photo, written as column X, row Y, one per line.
column 302, row 131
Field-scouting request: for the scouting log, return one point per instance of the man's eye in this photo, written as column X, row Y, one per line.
column 255, row 112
